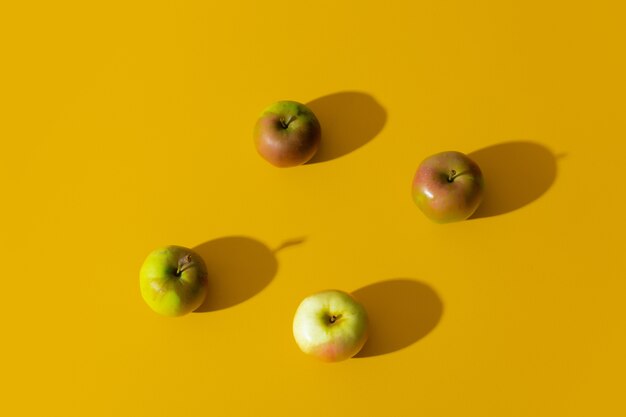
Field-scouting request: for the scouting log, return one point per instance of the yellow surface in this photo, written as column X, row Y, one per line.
column 126, row 126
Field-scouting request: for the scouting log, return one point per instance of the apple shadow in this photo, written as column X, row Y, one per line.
column 516, row 174
column 349, row 120
column 238, row 268
column 401, row 312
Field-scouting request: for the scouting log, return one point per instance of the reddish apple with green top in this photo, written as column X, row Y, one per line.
column 448, row 187
column 330, row 325
column 287, row 134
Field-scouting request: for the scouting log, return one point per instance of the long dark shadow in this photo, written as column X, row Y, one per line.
column 401, row 312
column 349, row 120
column 238, row 268
column 516, row 174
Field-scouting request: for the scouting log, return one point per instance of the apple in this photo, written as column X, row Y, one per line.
column 173, row 280
column 330, row 325
column 287, row 134
column 448, row 187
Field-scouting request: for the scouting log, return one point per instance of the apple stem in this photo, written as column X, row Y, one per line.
column 183, row 263
column 452, row 175
column 285, row 123
column 333, row 319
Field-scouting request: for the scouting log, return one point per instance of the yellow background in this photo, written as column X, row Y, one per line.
column 126, row 126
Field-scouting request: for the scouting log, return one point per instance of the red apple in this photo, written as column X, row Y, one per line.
column 448, row 187
column 287, row 134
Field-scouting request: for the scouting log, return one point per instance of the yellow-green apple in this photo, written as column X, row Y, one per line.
column 448, row 187
column 173, row 280
column 330, row 325
column 287, row 134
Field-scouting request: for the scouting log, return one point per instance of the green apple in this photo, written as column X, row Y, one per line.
column 287, row 134
column 330, row 325
column 173, row 280
column 448, row 187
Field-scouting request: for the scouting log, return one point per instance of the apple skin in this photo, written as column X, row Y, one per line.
column 448, row 187
column 287, row 134
column 167, row 292
column 330, row 339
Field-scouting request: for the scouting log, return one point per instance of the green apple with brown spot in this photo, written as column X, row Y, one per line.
column 173, row 281
column 287, row 134
column 330, row 325
column 448, row 187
